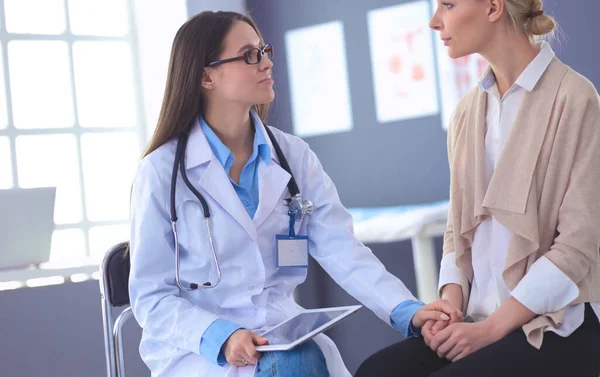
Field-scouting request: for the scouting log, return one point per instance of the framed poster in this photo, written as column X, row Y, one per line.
column 402, row 62
column 318, row 77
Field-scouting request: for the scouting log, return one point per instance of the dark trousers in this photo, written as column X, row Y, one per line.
column 575, row 356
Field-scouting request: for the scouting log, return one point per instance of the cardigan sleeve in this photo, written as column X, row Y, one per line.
column 448, row 244
column 576, row 246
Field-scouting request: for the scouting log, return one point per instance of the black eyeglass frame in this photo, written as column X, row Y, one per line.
column 266, row 50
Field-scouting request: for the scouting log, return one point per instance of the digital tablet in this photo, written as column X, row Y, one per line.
column 303, row 326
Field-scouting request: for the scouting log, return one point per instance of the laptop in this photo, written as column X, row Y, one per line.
column 26, row 226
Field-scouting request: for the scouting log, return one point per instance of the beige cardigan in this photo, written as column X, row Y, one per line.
column 545, row 188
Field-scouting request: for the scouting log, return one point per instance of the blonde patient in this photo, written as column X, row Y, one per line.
column 521, row 247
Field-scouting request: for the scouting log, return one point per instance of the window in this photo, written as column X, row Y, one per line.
column 71, row 115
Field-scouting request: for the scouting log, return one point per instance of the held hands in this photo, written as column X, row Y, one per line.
column 453, row 339
column 461, row 339
column 434, row 325
column 437, row 311
column 240, row 348
column 458, row 340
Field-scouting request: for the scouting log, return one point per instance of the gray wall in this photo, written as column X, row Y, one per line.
column 57, row 330
column 197, row 6
column 411, row 155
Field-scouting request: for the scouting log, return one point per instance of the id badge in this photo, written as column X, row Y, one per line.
column 291, row 251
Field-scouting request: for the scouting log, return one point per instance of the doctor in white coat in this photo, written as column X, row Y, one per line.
column 218, row 89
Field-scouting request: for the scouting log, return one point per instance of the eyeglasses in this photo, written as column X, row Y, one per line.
column 252, row 56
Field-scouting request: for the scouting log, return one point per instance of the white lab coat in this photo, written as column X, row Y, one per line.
column 173, row 320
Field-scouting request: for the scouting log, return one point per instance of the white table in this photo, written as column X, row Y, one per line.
column 419, row 223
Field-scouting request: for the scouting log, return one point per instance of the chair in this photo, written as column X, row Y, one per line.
column 114, row 292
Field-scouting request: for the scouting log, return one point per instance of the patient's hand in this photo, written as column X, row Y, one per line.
column 431, row 328
column 461, row 339
column 427, row 331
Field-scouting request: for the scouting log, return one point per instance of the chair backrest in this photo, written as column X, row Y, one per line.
column 114, row 292
column 117, row 266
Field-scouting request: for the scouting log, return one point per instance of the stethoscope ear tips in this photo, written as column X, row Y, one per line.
column 193, row 286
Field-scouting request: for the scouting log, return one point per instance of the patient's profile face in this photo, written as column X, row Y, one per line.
column 464, row 25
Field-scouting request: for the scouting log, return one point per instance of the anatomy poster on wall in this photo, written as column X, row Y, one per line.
column 318, row 76
column 457, row 76
column 402, row 62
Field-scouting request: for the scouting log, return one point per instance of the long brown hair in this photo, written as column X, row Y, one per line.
column 198, row 42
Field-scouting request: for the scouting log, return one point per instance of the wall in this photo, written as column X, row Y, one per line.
column 197, row 6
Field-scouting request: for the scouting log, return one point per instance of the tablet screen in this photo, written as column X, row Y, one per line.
column 300, row 325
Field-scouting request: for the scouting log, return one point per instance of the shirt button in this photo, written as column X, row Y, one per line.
column 251, row 287
column 247, row 203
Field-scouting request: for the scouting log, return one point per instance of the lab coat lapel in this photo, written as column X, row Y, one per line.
column 272, row 183
column 214, row 180
column 216, row 183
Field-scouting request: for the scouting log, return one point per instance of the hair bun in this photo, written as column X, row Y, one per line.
column 540, row 24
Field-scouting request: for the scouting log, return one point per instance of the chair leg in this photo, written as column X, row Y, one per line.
column 118, row 340
column 109, row 341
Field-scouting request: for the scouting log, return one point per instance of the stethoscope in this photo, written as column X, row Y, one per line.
column 297, row 207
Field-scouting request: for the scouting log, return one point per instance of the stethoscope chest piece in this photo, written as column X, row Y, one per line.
column 298, row 207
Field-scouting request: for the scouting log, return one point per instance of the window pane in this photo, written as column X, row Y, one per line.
column 35, row 16
column 104, row 84
column 40, row 84
column 5, row 166
column 3, row 107
column 103, row 238
column 51, row 160
column 98, row 17
column 68, row 248
column 109, row 162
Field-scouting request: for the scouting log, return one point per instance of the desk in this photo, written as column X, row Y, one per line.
column 419, row 223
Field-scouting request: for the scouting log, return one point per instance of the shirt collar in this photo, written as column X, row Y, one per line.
column 530, row 76
column 260, row 146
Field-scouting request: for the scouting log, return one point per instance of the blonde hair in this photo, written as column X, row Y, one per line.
column 523, row 13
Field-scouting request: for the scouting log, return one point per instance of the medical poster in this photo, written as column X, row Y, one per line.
column 318, row 77
column 402, row 62
column 457, row 76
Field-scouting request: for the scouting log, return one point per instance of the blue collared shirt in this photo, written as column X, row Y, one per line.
column 247, row 188
column 402, row 317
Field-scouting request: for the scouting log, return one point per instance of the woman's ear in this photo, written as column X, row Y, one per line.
column 207, row 82
column 496, row 8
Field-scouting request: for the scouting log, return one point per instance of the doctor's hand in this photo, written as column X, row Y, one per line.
column 240, row 348
column 439, row 310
